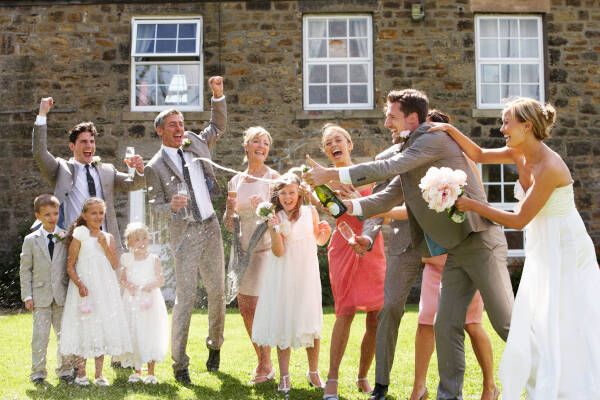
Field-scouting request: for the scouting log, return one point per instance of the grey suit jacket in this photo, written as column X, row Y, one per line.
column 162, row 176
column 43, row 278
column 61, row 174
column 424, row 150
column 399, row 238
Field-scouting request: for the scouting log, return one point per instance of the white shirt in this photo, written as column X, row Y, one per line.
column 81, row 193
column 196, row 176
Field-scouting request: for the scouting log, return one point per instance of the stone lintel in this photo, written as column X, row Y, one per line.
column 149, row 116
column 510, row 6
column 486, row 113
column 319, row 6
column 342, row 114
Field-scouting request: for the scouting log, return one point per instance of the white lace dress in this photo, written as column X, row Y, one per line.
column 289, row 311
column 94, row 325
column 553, row 347
column 146, row 313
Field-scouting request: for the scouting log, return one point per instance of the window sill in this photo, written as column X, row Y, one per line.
column 150, row 116
column 486, row 113
column 341, row 114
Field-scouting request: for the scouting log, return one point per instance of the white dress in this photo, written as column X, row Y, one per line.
column 553, row 347
column 289, row 311
column 94, row 325
column 146, row 314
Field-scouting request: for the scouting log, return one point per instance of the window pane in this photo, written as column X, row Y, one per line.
column 187, row 31
column 146, row 31
column 145, row 95
column 529, row 28
column 317, row 94
column 166, row 31
column 493, row 193
column 191, row 72
column 316, row 28
column 317, row 48
column 338, row 94
column 488, row 28
column 532, row 91
column 193, row 95
column 508, row 91
column 165, row 46
column 491, row 172
column 509, row 48
column 509, row 193
column 529, row 48
column 337, row 28
column 530, row 73
column 490, row 94
column 161, row 95
column 358, row 94
column 166, row 73
column 144, row 46
column 358, row 48
column 145, row 75
column 338, row 73
column 509, row 28
column 488, row 48
column 358, row 27
column 186, row 46
column 358, row 73
column 337, row 48
column 510, row 73
column 317, row 74
column 511, row 174
column 514, row 239
column 490, row 73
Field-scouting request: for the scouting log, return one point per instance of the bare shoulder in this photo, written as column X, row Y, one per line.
column 553, row 170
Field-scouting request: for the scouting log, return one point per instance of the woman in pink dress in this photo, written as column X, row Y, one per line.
column 356, row 282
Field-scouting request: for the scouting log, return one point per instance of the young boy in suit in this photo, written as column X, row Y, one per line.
column 44, row 286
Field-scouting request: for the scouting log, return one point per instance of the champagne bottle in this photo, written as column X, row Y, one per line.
column 328, row 198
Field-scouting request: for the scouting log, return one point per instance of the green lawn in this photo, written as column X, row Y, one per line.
column 237, row 363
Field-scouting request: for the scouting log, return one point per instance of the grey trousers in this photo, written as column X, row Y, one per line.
column 401, row 272
column 478, row 263
column 200, row 253
column 43, row 317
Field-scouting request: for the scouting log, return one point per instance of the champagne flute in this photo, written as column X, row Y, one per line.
column 182, row 190
column 347, row 232
column 129, row 152
column 232, row 189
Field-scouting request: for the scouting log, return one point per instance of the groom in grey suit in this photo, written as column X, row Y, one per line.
column 476, row 247
column 195, row 234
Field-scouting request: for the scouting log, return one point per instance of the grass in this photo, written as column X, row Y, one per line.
column 237, row 363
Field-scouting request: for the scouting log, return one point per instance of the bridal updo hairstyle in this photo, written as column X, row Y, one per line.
column 287, row 179
column 255, row 132
column 542, row 116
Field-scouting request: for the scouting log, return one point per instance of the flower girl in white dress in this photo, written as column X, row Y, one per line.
column 93, row 319
column 144, row 304
column 289, row 312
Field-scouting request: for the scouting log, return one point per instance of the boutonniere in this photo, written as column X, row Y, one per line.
column 404, row 135
column 186, row 143
column 96, row 160
column 59, row 236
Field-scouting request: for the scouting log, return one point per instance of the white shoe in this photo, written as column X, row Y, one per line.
column 150, row 380
column 101, row 381
column 83, row 381
column 135, row 377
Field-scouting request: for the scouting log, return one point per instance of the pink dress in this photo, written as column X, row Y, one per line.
column 430, row 292
column 356, row 282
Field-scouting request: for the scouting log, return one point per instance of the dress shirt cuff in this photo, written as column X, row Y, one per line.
column 344, row 174
column 27, row 298
column 219, row 99
column 356, row 208
column 370, row 242
column 41, row 120
column 138, row 172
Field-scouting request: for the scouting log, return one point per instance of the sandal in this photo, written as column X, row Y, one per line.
column 331, row 396
column 101, row 381
column 285, row 379
column 81, row 381
column 135, row 377
column 358, row 380
column 262, row 378
column 150, row 380
column 311, row 382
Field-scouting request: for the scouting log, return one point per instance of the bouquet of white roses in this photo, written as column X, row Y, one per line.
column 441, row 187
column 266, row 210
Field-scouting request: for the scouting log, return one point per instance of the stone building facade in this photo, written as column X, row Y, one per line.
column 80, row 53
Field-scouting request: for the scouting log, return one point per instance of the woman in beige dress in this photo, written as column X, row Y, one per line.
column 248, row 194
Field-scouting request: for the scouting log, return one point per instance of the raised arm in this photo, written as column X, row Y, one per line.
column 46, row 162
column 503, row 155
column 218, row 112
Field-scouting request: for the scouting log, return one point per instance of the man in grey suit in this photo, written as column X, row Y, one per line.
column 403, row 264
column 476, row 247
column 195, row 235
column 83, row 176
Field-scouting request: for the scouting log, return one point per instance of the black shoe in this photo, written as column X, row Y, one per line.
column 214, row 359
column 183, row 376
column 66, row 378
column 116, row 364
column 379, row 392
column 39, row 381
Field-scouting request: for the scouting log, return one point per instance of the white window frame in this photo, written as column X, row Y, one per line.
column 159, row 59
column 504, row 205
column 307, row 61
column 479, row 61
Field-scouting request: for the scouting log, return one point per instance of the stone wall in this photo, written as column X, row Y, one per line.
column 80, row 55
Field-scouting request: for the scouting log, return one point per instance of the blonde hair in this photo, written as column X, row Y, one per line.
column 541, row 116
column 136, row 228
column 254, row 132
column 329, row 127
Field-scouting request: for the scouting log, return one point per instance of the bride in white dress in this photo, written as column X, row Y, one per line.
column 553, row 347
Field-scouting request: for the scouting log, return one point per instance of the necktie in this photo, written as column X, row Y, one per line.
column 90, row 181
column 188, row 181
column 51, row 244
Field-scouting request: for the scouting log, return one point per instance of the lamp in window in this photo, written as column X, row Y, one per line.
column 417, row 11
column 177, row 92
